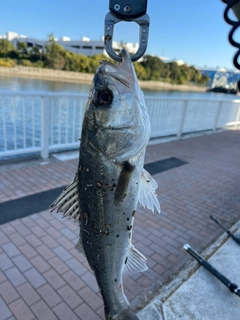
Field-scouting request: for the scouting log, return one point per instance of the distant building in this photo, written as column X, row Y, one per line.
column 84, row 46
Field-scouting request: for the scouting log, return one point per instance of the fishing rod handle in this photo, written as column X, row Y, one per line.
column 207, row 265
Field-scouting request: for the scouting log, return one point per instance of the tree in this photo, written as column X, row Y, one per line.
column 140, row 71
column 6, row 47
column 22, row 47
column 54, row 54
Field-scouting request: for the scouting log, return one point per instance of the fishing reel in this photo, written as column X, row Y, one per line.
column 235, row 24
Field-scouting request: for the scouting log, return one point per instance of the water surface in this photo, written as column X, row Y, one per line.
column 18, row 84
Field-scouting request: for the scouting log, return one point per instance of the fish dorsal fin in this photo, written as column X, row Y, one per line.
column 147, row 196
column 67, row 202
column 135, row 262
column 79, row 246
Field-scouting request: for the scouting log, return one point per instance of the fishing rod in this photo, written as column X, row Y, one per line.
column 231, row 286
column 228, row 231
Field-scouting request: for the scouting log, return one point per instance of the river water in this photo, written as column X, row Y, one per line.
column 18, row 84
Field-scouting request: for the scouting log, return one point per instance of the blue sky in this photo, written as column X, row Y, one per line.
column 193, row 31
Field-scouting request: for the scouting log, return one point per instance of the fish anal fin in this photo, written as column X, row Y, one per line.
column 67, row 202
column 123, row 182
column 147, row 192
column 135, row 262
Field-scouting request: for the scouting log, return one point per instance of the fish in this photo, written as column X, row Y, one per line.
column 110, row 181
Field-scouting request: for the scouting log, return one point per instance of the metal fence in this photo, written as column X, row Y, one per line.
column 45, row 122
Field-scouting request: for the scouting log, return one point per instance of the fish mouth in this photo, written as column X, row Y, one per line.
column 122, row 72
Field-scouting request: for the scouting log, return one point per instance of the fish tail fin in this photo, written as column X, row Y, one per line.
column 127, row 314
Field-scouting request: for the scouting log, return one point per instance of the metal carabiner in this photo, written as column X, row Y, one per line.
column 121, row 10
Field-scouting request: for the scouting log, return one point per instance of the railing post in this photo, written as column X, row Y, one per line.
column 182, row 119
column 237, row 118
column 217, row 116
column 45, row 127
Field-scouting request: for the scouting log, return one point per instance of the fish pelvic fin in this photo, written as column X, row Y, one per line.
column 135, row 262
column 67, row 202
column 123, row 182
column 147, row 196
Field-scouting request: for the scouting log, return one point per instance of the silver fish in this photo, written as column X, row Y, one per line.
column 110, row 181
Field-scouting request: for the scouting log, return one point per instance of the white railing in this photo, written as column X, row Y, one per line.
column 45, row 122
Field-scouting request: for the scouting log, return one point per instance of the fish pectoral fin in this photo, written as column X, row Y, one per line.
column 147, row 196
column 68, row 202
column 123, row 182
column 79, row 246
column 135, row 262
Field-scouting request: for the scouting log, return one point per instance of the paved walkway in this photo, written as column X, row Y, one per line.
column 42, row 276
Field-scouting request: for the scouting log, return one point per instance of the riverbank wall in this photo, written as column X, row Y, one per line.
column 69, row 76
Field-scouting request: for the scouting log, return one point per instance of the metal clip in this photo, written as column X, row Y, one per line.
column 111, row 20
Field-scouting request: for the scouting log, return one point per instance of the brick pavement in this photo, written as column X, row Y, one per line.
column 42, row 276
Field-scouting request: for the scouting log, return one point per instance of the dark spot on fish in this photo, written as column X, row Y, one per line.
column 134, row 212
column 123, row 213
column 126, row 260
column 113, row 185
column 127, row 219
column 80, row 168
column 129, row 227
column 115, row 280
column 117, row 235
column 129, row 236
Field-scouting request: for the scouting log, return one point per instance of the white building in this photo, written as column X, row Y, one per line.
column 84, row 46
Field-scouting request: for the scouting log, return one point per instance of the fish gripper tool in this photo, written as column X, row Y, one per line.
column 125, row 10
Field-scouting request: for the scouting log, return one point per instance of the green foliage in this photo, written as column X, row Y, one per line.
column 156, row 69
column 7, row 62
column 5, row 47
column 55, row 57
column 54, row 54
column 25, row 63
column 22, row 47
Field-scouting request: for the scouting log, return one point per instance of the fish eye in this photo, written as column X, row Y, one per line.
column 105, row 97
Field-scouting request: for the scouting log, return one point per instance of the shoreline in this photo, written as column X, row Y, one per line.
column 70, row 76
